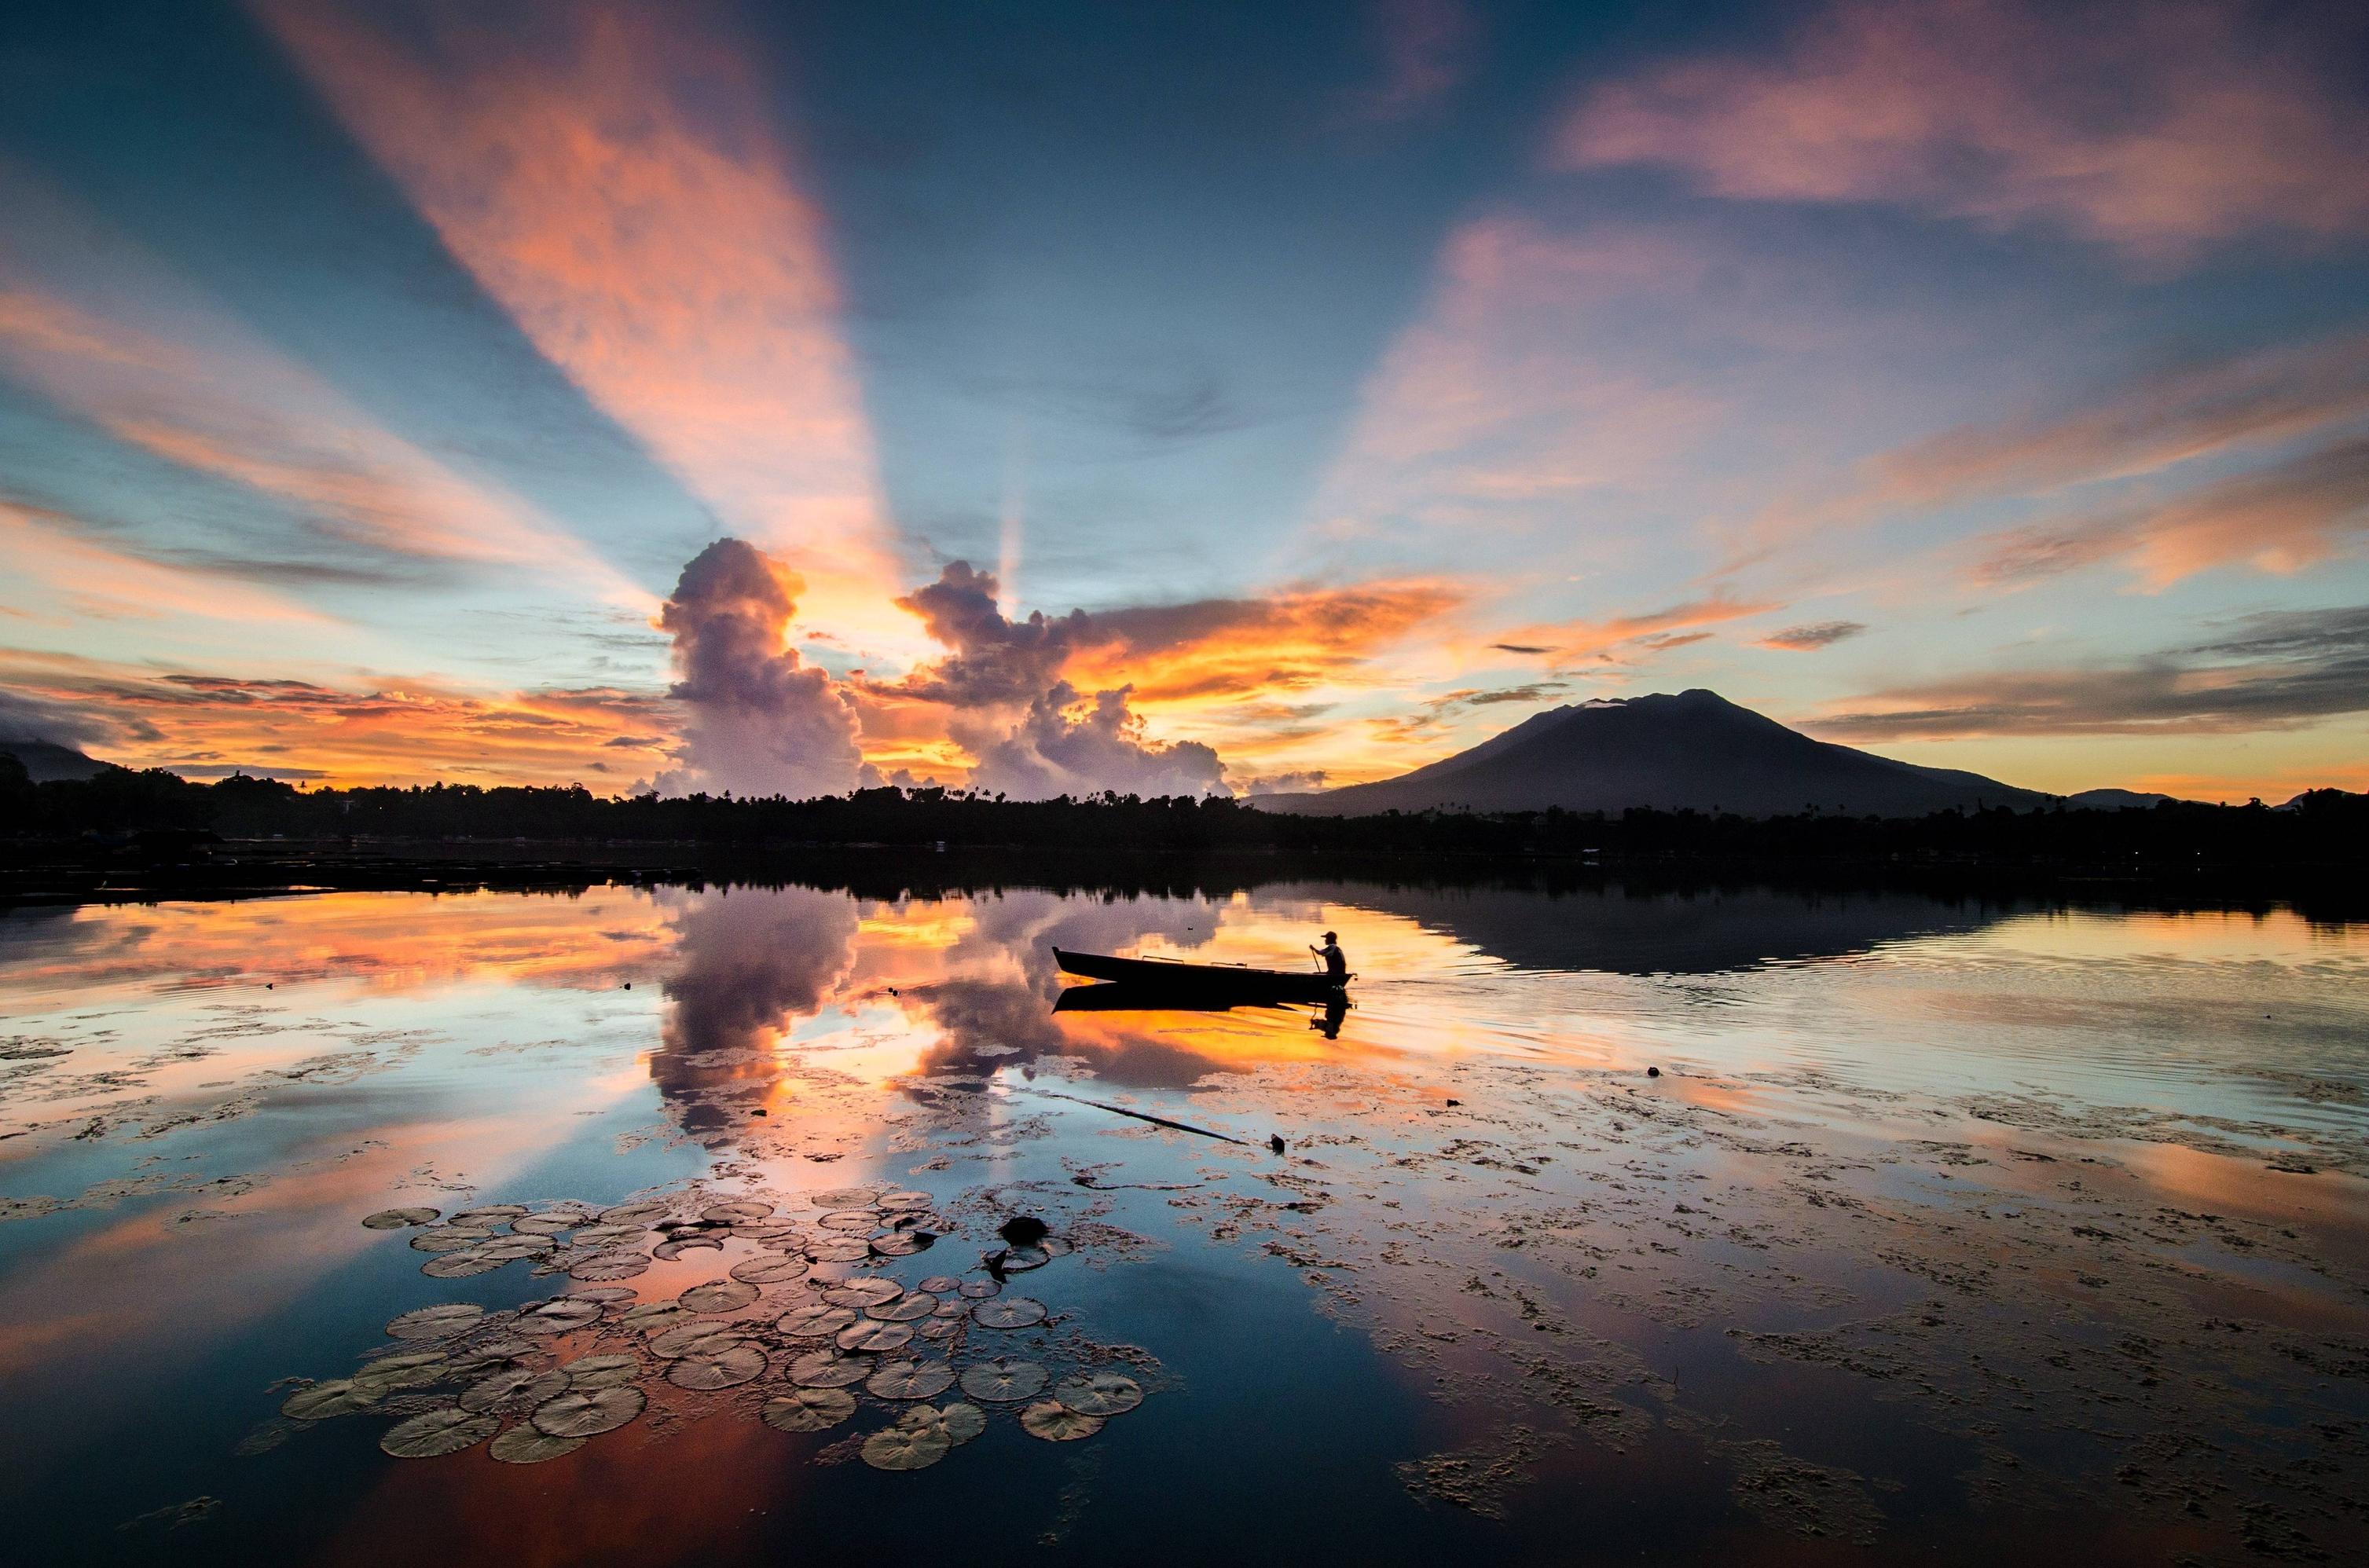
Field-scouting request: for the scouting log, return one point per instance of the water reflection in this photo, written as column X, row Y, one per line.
column 1923, row 1188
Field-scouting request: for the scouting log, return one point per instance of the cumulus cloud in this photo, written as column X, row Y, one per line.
column 2279, row 669
column 1813, row 635
column 2154, row 129
column 1300, row 783
column 1072, row 744
column 759, row 721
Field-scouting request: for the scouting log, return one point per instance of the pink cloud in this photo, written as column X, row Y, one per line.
column 2154, row 129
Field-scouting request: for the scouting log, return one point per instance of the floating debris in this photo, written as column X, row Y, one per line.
column 435, row 1433
column 1099, row 1393
column 910, row 1379
column 1010, row 1312
column 525, row 1446
column 398, row 1219
column 1003, row 1382
column 588, row 1413
column 1057, row 1422
column 436, row 1322
column 808, row 1410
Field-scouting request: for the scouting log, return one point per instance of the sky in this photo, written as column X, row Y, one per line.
column 1047, row 398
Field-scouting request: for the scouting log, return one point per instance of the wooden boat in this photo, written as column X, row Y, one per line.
column 1167, row 976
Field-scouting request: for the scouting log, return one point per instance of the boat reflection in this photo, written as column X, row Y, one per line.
column 1325, row 1019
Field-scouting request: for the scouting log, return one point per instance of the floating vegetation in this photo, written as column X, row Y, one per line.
column 910, row 1379
column 839, row 1250
column 904, row 1309
column 694, row 1339
column 814, row 1321
column 718, row 1296
column 588, row 1413
column 863, row 1293
column 1099, row 1393
column 490, row 1214
column 338, row 1396
column 525, row 1446
column 1003, row 1382
column 902, row 1244
column 1057, row 1422
column 442, row 1322
column 561, row 1314
column 517, row 1387
column 1008, row 1312
column 588, row 1372
column 398, row 1219
column 720, row 1367
column 808, row 1410
column 674, row 1247
column 435, row 1433
column 872, row 1336
column 610, row 1266
column 769, row 1271
column 449, row 1238
column 842, row 1197
column 962, row 1422
column 828, row 1369
column 854, row 1220
column 908, row 1445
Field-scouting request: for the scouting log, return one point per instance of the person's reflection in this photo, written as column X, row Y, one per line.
column 753, row 963
column 1328, row 1022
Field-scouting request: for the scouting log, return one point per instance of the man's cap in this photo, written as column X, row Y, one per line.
column 1329, row 935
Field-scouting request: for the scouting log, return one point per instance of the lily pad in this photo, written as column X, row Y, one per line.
column 464, row 1264
column 609, row 1235
column 640, row 1215
column 434, row 1433
column 610, row 1266
column 588, row 1413
column 338, row 1396
column 742, row 1213
column 1003, row 1382
column 980, row 1289
column 400, row 1218
column 653, row 1317
column 411, row 1369
column 841, row 1197
column 449, row 1238
column 842, row 1248
column 941, row 1328
column 544, row 1224
column 770, row 1271
column 520, row 1388
column 910, row 1379
column 939, row 1284
column 718, row 1296
column 674, row 1247
column 814, row 1321
column 694, row 1339
column 588, row 1372
column 489, row 1214
column 827, row 1369
column 1099, row 1393
column 719, row 1368
column 1010, row 1312
column 808, row 1410
column 873, row 1337
column 962, row 1422
column 894, row 1201
column 525, row 1446
column 905, row 1448
column 904, row 1309
column 440, row 1322
column 851, row 1220
column 899, row 1244
column 1020, row 1260
column 604, row 1294
column 1057, row 1422
column 867, row 1292
column 561, row 1314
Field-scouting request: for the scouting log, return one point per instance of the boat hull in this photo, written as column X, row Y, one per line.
column 1162, row 977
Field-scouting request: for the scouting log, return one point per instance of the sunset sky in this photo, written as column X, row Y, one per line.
column 705, row 395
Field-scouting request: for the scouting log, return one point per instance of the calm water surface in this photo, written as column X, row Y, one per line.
column 1953, row 1229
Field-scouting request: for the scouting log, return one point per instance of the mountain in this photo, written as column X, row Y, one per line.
column 2115, row 800
column 46, row 759
column 1694, row 750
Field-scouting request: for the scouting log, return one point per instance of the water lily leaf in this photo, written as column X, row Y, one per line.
column 867, row 1292
column 899, row 1244
column 489, row 1214
column 641, row 1216
column 1099, row 1393
column 723, row 1369
column 654, row 1317
column 561, row 1314
column 827, row 1369
column 525, row 1446
column 718, row 1296
column 941, row 1285
column 398, row 1219
column 842, row 1249
column 814, row 1321
column 674, row 1247
column 910, row 1379
column 610, row 1266
column 851, row 1220
column 769, row 1271
column 1003, row 1382
column 449, row 1238
column 808, row 1410
column 411, row 1369
column 440, row 1322
column 873, row 1337
column 841, row 1197
column 588, row 1413
column 962, row 1422
column 980, row 1289
column 904, row 1309
column 736, row 1213
column 608, row 1236
column 588, row 1372
column 893, row 1201
column 544, row 1224
column 604, row 1294
column 694, row 1339
column 338, row 1396
column 462, row 1265
column 905, row 1448
column 1020, row 1260
column 520, row 1388
column 1057, row 1422
column 1010, row 1312
column 433, row 1433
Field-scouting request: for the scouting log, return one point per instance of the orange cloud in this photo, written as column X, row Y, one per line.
column 612, row 176
column 51, row 565
column 1572, row 643
column 206, row 724
column 2155, row 130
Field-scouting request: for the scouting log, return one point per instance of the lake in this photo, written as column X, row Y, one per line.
column 660, row 1225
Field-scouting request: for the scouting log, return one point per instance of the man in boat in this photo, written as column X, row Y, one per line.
column 1336, row 962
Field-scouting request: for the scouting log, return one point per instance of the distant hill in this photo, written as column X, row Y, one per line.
column 2115, row 800
column 1696, row 751
column 46, row 759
